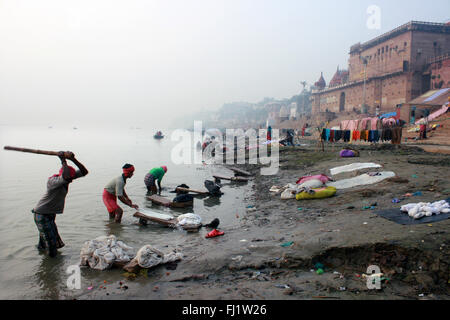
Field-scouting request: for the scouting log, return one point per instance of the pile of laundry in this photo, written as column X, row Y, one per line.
column 309, row 185
column 189, row 220
column 102, row 252
column 148, row 257
column 426, row 209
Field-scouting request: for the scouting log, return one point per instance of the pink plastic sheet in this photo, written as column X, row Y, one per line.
column 320, row 177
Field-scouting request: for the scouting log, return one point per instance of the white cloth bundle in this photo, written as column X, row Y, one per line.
column 422, row 209
column 103, row 251
column 189, row 219
column 149, row 256
column 353, row 167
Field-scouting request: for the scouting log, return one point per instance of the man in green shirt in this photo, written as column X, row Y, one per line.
column 156, row 174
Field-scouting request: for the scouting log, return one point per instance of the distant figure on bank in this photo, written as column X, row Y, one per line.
column 304, row 129
column 52, row 203
column 377, row 111
column 156, row 174
column 269, row 133
column 116, row 189
column 423, row 127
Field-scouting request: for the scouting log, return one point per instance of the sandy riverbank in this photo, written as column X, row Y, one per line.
column 250, row 263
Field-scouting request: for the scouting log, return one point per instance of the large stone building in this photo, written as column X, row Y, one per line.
column 386, row 71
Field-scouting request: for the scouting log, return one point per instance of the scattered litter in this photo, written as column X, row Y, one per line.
column 364, row 276
column 282, row 286
column 276, row 189
column 243, row 240
column 129, row 275
column 287, row 244
column 396, row 200
column 90, row 288
column 415, row 176
column 318, row 265
column 144, row 272
column 421, row 295
column 249, row 207
column 342, row 288
column 417, row 194
column 319, row 271
column 300, row 209
column 365, row 223
column 237, row 258
column 335, row 272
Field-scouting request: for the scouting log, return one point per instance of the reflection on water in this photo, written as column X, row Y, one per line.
column 27, row 274
column 211, row 201
column 48, row 276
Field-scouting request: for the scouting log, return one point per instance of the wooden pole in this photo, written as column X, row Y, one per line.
column 49, row 153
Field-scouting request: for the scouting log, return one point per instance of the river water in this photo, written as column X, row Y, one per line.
column 25, row 273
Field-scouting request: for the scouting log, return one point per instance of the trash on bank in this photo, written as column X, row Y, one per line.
column 287, row 244
column 276, row 189
column 237, row 258
column 319, row 271
column 319, row 265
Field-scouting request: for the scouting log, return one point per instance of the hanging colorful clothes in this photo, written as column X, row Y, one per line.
column 347, row 134
column 327, row 134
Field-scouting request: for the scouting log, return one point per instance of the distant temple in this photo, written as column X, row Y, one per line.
column 389, row 70
column 339, row 78
column 321, row 84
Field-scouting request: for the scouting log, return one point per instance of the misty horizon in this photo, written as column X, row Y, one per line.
column 146, row 63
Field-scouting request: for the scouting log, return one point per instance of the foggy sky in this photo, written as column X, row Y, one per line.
column 143, row 62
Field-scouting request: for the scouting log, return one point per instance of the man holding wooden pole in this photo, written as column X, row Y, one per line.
column 52, row 203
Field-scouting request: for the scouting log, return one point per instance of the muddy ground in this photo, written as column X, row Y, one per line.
column 250, row 263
